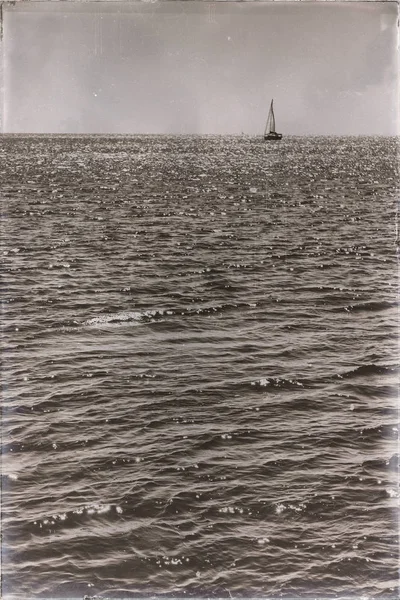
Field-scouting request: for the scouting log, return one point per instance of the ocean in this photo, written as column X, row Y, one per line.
column 200, row 367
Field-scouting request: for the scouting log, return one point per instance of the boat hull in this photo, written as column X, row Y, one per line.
column 272, row 137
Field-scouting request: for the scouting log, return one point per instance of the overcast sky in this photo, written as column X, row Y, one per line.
column 199, row 67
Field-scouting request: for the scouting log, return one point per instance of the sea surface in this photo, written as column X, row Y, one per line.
column 200, row 367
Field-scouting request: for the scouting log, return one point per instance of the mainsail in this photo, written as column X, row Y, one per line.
column 270, row 126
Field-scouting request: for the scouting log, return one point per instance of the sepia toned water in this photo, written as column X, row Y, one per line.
column 199, row 367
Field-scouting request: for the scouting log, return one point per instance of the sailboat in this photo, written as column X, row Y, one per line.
column 270, row 133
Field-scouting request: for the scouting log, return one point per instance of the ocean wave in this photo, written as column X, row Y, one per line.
column 123, row 317
column 370, row 369
column 147, row 316
column 372, row 306
column 277, row 382
column 77, row 516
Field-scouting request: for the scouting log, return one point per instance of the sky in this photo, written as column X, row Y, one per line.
column 201, row 67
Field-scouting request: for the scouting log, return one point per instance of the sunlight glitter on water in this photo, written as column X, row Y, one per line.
column 201, row 373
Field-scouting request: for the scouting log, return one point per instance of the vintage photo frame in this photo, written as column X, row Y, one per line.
column 201, row 529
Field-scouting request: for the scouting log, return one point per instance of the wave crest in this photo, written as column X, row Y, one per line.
column 371, row 369
column 154, row 315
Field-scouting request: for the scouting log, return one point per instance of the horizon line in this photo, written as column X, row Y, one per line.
column 194, row 134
